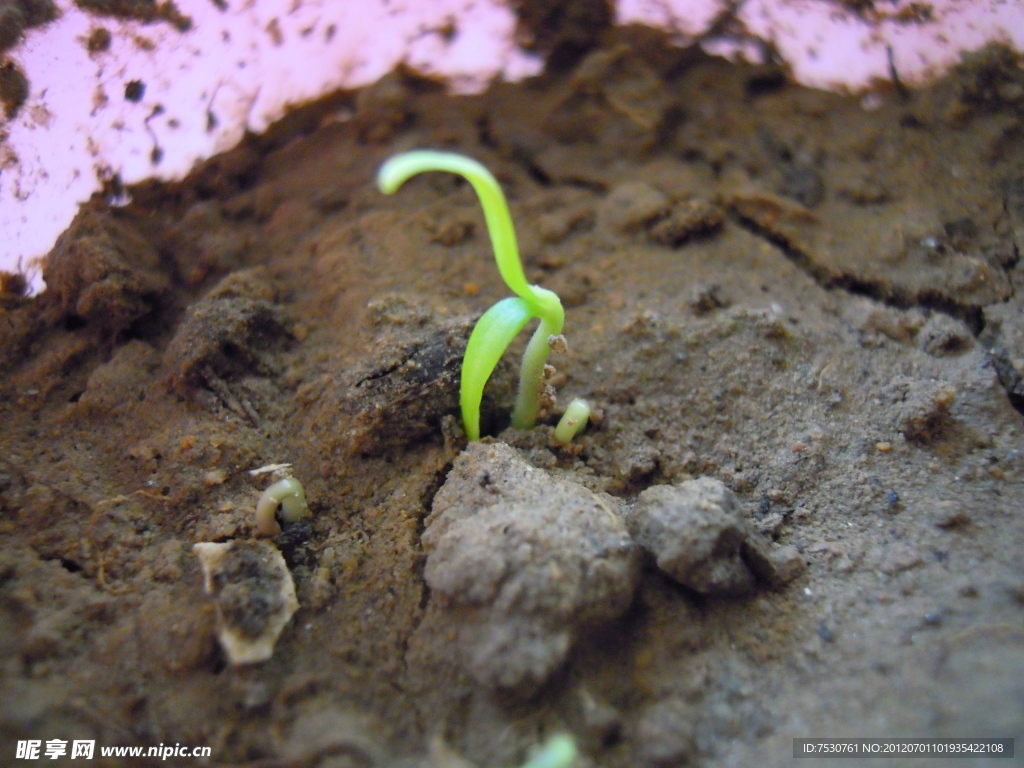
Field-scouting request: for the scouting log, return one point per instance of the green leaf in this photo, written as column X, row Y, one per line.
column 487, row 343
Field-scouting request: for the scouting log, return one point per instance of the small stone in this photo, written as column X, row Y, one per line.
column 787, row 564
column 214, row 477
column 698, row 537
column 769, row 525
column 707, row 298
column 922, row 407
column 558, row 345
column 134, row 90
column 893, row 559
column 948, row 515
column 99, row 40
column 875, row 320
column 944, row 336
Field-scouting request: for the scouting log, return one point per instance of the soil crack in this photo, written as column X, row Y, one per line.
column 388, row 370
column 888, row 294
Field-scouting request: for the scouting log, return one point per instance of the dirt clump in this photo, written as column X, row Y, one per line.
column 697, row 536
column 102, row 271
column 399, row 398
column 923, row 407
column 231, row 332
column 562, row 30
column 13, row 89
column 146, row 11
column 522, row 564
column 19, row 15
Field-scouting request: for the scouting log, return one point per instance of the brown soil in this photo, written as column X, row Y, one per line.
column 813, row 299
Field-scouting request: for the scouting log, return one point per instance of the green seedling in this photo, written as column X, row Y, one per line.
column 501, row 323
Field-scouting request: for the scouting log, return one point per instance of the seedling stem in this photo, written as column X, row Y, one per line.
column 502, row 322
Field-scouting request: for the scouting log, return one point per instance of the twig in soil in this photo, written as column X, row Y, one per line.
column 242, row 408
column 502, row 322
column 268, row 468
column 101, row 577
column 821, row 375
column 89, row 539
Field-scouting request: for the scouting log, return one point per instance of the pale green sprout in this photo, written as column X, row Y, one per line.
column 289, row 495
column 501, row 323
column 558, row 752
column 575, row 418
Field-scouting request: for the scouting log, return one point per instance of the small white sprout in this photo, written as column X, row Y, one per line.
column 558, row 752
column 573, row 421
column 290, row 496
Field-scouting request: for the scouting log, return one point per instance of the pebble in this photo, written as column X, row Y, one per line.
column 697, row 536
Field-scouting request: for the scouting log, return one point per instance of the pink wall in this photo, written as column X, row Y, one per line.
column 245, row 64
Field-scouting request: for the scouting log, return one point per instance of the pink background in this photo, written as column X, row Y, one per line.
column 247, row 63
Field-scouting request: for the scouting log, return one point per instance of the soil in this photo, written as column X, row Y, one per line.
column 803, row 305
column 17, row 16
column 146, row 11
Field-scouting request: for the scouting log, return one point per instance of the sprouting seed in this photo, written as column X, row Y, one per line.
column 559, row 752
column 287, row 494
column 573, row 421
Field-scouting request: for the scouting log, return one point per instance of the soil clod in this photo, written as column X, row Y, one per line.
column 522, row 564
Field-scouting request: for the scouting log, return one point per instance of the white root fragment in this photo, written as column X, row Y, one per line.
column 253, row 593
column 267, row 469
